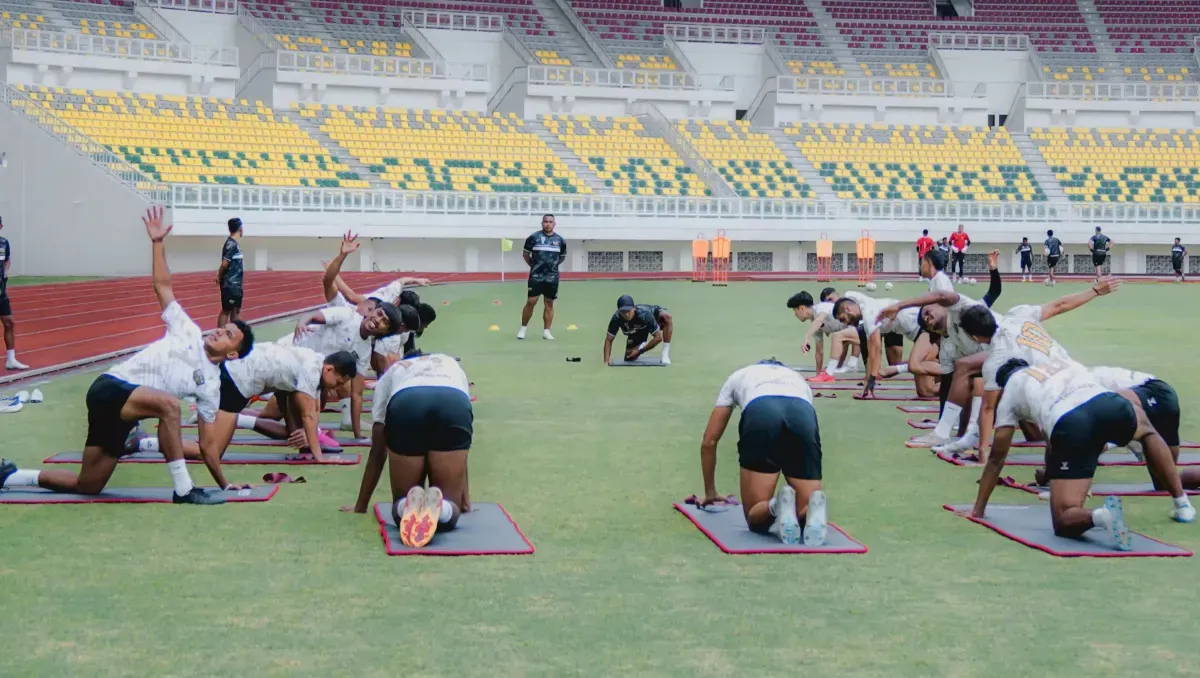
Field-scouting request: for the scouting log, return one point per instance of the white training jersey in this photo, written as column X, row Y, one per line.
column 957, row 343
column 392, row 344
column 831, row 324
column 342, row 331
column 1119, row 378
column 1045, row 393
column 276, row 367
column 177, row 364
column 340, row 301
column 748, row 383
column 905, row 322
column 1020, row 335
column 435, row 369
column 940, row 282
column 389, row 292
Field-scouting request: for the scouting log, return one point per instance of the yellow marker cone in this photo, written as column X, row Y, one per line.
column 494, row 328
column 572, row 326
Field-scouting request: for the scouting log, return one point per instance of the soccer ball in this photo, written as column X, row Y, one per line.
column 1047, row 282
column 972, row 281
column 870, row 287
column 887, row 286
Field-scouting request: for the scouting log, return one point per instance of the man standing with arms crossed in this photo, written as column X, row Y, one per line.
column 544, row 251
column 229, row 276
column 6, row 316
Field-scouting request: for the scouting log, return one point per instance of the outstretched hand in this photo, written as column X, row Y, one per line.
column 993, row 260
column 1107, row 285
column 349, row 243
column 154, row 224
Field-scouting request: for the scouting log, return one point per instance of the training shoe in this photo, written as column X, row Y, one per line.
column 547, row 336
column 327, row 441
column 1180, row 514
column 822, row 378
column 785, row 514
column 37, row 396
column 134, row 438
column 7, row 468
column 414, row 508
column 10, row 405
column 521, row 333
column 433, row 502
column 1116, row 524
column 970, row 441
column 1135, row 448
column 931, row 439
column 14, row 364
column 199, row 497
column 816, row 525
column 666, row 360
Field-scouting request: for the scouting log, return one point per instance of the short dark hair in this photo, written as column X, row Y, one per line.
column 1050, row 233
column 1176, row 239
column 1097, row 229
column 921, row 321
column 826, row 292
column 547, row 215
column 395, row 319
column 840, row 304
column 235, row 225
column 426, row 313
column 409, row 297
column 407, row 316
column 377, row 300
column 247, row 344
column 770, row 361
column 924, row 231
column 1024, row 239
column 978, row 321
column 415, row 353
column 343, row 363
column 936, row 259
column 799, row 299
column 1008, row 369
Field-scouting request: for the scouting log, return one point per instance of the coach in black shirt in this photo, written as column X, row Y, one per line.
column 229, row 276
column 544, row 251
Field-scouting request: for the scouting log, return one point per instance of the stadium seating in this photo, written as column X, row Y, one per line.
column 199, row 140
column 621, row 152
column 800, row 67
column 896, row 162
column 749, row 161
column 110, row 18
column 551, row 57
column 116, row 29
column 437, row 150
column 1123, row 165
column 20, row 17
column 648, row 62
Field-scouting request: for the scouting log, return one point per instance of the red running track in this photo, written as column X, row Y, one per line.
column 64, row 323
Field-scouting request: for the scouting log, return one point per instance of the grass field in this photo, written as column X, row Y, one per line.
column 588, row 460
column 45, row 279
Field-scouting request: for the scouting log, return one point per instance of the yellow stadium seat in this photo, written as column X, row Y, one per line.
column 625, row 156
column 749, row 161
column 1123, row 165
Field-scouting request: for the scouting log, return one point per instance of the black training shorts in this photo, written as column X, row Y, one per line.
column 1161, row 405
column 1026, row 262
column 1098, row 258
column 779, row 434
column 231, row 299
column 1080, row 436
column 106, row 429
column 1052, row 261
column 1177, row 265
column 538, row 288
column 893, row 339
column 5, row 305
column 424, row 419
column 232, row 399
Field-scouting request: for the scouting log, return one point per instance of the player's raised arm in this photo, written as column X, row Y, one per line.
column 334, row 269
column 1073, row 301
column 159, row 271
column 946, row 299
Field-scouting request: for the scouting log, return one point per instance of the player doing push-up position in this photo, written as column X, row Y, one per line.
column 423, row 425
column 777, row 435
column 644, row 326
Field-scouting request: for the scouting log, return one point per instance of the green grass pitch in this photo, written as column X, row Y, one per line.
column 588, row 460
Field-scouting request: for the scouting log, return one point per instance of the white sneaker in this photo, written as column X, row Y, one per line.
column 36, row 396
column 931, row 439
column 1184, row 514
column 14, row 364
column 666, row 360
column 521, row 333
column 547, row 336
column 10, row 405
column 1116, row 524
column 969, row 441
column 785, row 514
column 815, row 526
column 23, row 396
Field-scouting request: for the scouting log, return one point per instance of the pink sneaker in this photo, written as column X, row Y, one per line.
column 327, row 441
column 822, row 378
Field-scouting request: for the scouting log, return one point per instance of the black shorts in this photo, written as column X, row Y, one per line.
column 538, row 288
column 1079, row 438
column 779, row 434
column 5, row 304
column 1177, row 265
column 893, row 339
column 232, row 399
column 425, row 419
column 106, row 429
column 1026, row 263
column 1161, row 405
column 231, row 299
column 1098, row 258
column 1052, row 261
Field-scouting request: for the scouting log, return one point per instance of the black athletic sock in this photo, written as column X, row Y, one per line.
column 944, row 391
column 993, row 292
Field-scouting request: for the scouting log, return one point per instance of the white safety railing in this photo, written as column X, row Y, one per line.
column 515, row 77
column 263, row 62
column 1115, row 91
column 257, row 29
column 572, row 76
column 514, row 41
column 655, row 122
column 148, row 13
column 739, row 35
column 589, row 39
column 771, row 49
column 676, row 52
column 909, row 210
column 365, row 64
column 58, row 42
column 452, row 21
column 211, row 6
column 1117, row 213
column 979, row 41
column 900, row 87
column 87, row 147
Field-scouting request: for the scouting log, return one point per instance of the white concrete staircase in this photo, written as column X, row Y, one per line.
column 1100, row 37
column 572, row 161
column 833, row 41
column 335, row 149
column 1040, row 168
column 567, row 41
column 802, row 165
